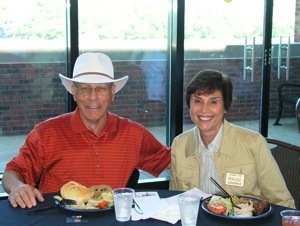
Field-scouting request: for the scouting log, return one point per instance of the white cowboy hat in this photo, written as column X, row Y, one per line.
column 93, row 68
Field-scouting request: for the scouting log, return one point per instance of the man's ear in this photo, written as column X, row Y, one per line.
column 73, row 90
column 113, row 91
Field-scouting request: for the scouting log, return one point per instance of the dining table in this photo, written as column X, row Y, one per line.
column 61, row 216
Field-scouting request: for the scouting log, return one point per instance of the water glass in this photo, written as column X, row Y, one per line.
column 123, row 198
column 189, row 207
column 290, row 217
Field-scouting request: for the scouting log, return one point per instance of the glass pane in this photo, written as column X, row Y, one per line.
column 134, row 36
column 32, row 53
column 227, row 36
column 285, row 69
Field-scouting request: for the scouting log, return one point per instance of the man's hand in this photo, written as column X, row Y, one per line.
column 25, row 196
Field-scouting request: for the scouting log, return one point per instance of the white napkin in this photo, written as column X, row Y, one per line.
column 161, row 209
column 149, row 203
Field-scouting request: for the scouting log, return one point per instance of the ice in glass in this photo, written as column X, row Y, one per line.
column 123, row 198
column 189, row 207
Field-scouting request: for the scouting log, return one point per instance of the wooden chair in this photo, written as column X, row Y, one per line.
column 134, row 178
column 288, row 159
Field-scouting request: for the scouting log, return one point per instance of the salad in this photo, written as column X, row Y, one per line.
column 249, row 207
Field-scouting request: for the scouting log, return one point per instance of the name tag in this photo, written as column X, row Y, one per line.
column 234, row 179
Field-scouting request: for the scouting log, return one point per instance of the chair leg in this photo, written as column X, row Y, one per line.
column 280, row 108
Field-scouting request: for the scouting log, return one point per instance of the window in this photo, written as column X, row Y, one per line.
column 33, row 52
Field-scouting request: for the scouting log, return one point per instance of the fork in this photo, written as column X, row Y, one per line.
column 224, row 192
column 58, row 203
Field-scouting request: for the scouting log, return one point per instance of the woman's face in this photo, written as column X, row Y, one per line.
column 207, row 112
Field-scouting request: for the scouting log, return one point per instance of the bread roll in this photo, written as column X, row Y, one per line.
column 99, row 189
column 76, row 191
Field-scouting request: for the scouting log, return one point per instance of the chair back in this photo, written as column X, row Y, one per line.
column 287, row 157
column 134, row 178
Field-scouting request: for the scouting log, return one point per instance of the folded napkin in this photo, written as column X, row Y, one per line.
column 149, row 203
column 161, row 209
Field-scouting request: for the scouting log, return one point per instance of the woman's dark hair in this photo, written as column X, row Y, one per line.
column 209, row 81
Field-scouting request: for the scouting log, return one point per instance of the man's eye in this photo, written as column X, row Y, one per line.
column 100, row 89
column 84, row 89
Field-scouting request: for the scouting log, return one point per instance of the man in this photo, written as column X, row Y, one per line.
column 90, row 145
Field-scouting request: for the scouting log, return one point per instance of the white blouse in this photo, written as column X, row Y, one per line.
column 207, row 163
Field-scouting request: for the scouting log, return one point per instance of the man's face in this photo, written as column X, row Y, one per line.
column 93, row 101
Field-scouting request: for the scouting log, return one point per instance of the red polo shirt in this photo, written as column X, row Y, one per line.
column 62, row 149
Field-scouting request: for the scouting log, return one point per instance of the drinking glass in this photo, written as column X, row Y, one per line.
column 123, row 198
column 189, row 207
column 290, row 217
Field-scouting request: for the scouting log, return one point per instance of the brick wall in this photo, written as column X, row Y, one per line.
column 31, row 93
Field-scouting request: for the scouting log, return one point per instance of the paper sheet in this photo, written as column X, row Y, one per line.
column 161, row 209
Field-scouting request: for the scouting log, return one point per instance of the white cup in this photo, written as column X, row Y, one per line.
column 123, row 198
column 189, row 207
column 290, row 217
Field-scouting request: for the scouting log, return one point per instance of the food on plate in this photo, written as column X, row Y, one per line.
column 100, row 201
column 218, row 200
column 217, row 207
column 245, row 211
column 102, row 204
column 94, row 197
column 99, row 189
column 249, row 207
column 260, row 207
column 76, row 191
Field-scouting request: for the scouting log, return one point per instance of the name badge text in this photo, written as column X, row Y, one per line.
column 235, row 179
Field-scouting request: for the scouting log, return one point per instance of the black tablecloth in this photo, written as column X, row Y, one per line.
column 56, row 217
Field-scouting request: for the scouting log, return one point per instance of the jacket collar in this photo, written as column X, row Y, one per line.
column 192, row 146
column 227, row 145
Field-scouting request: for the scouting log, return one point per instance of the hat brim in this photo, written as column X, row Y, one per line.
column 68, row 82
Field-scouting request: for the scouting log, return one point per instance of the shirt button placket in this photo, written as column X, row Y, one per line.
column 97, row 159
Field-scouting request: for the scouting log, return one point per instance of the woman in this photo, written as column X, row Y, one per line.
column 237, row 158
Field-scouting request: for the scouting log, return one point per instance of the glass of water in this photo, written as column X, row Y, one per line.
column 123, row 198
column 189, row 207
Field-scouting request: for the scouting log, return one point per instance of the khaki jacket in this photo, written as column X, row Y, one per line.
column 242, row 152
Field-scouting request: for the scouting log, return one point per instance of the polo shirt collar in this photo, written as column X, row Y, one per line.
column 79, row 127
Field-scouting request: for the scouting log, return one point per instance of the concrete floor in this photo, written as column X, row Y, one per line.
column 288, row 132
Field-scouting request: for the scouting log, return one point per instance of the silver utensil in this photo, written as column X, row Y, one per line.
column 58, row 204
column 137, row 208
column 223, row 191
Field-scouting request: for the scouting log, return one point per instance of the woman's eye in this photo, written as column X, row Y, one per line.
column 197, row 101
